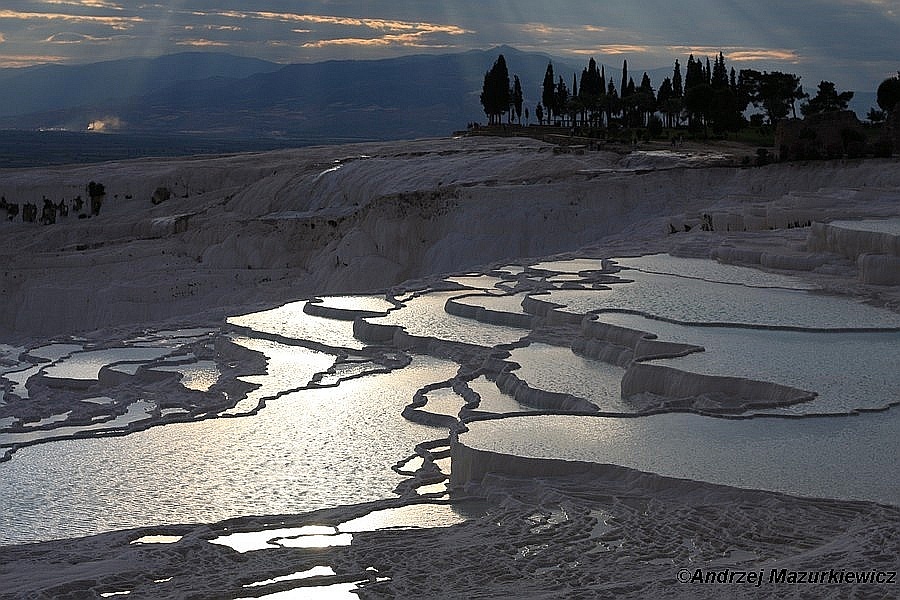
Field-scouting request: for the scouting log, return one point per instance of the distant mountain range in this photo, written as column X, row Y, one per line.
column 230, row 97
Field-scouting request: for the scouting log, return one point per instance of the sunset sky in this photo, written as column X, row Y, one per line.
column 855, row 43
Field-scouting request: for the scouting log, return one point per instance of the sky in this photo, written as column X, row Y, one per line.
column 853, row 43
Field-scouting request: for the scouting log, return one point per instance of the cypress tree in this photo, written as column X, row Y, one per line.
column 495, row 96
column 517, row 98
column 562, row 97
column 548, row 92
column 611, row 101
column 677, row 85
column 719, row 73
column 663, row 100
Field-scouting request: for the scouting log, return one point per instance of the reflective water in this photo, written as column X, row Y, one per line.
column 444, row 401
column 507, row 303
column 319, row 536
column 558, row 369
column 200, row 375
column 849, row 458
column 576, row 265
column 847, row 370
column 287, row 368
column 710, row 270
column 492, row 399
column 87, row 365
column 697, row 301
column 482, row 282
column 306, row 450
column 358, row 303
column 891, row 226
column 140, row 410
column 425, row 316
column 291, row 322
column 314, row 448
column 317, row 571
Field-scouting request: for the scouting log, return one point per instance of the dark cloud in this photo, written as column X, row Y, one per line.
column 852, row 42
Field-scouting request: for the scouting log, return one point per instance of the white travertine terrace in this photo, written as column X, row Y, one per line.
column 299, row 348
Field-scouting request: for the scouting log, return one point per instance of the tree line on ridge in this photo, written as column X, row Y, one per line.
column 708, row 97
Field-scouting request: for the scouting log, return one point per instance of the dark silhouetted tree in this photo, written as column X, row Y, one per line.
column 495, row 96
column 561, row 97
column 776, row 93
column 663, row 98
column 611, row 102
column 827, row 99
column 548, row 93
column 676, row 104
column 875, row 115
column 591, row 91
column 644, row 100
column 539, row 113
column 888, row 94
column 677, row 85
column 719, row 77
column 574, row 106
column 517, row 98
column 698, row 93
column 724, row 112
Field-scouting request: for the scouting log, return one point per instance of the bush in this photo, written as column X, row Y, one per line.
column 655, row 126
column 883, row 148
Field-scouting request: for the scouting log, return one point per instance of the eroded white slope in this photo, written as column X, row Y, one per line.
column 255, row 229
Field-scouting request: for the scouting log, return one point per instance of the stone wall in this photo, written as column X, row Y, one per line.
column 827, row 135
column 893, row 129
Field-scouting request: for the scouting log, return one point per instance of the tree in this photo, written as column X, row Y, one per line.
column 677, row 85
column 875, row 115
column 574, row 104
column 776, row 93
column 719, row 73
column 539, row 113
column 827, row 99
column 517, row 98
column 724, row 112
column 644, row 100
column 676, row 104
column 591, row 90
column 495, row 96
column 888, row 94
column 663, row 99
column 611, row 102
column 561, row 97
column 698, row 93
column 548, row 92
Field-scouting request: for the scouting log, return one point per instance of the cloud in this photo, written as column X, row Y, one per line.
column 853, row 42
column 85, row 4
column 119, row 23
column 27, row 60
column 359, row 22
column 69, row 37
column 202, row 43
column 741, row 54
